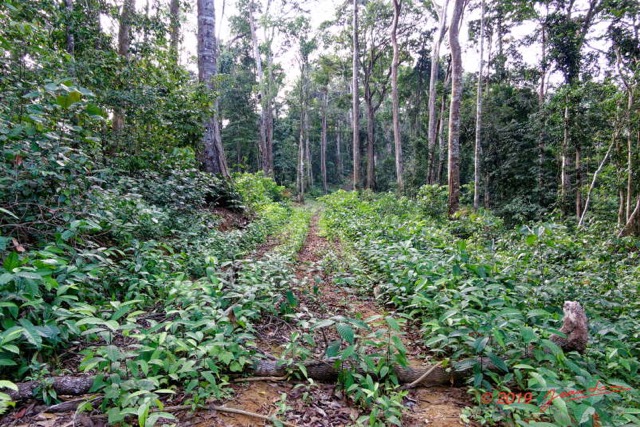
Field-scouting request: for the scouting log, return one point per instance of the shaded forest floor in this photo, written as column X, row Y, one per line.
column 317, row 293
column 318, row 404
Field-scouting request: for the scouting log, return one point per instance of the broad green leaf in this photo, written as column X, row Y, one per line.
column 346, row 332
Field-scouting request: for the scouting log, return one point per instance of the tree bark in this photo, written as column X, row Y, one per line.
column 174, row 41
column 213, row 153
column 262, row 143
column 355, row 109
column 124, row 41
column 339, row 151
column 454, row 109
column 593, row 181
column 432, row 131
column 323, row 141
column 565, row 182
column 478, row 141
column 368, row 100
column 442, row 147
column 397, row 5
column 632, row 227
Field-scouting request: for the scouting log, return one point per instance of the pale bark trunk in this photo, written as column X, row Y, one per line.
column 174, row 41
column 213, row 152
column 478, row 141
column 454, row 110
column 323, row 142
column 368, row 98
column 307, row 149
column 269, row 113
column 124, row 41
column 565, row 182
column 629, row 154
column 442, row 146
column 262, row 143
column 339, row 152
column 593, row 181
column 541, row 111
column 355, row 120
column 397, row 4
column 578, row 180
column 632, row 227
column 433, row 81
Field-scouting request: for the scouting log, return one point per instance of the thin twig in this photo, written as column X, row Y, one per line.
column 231, row 411
column 422, row 377
column 249, row 379
column 218, row 409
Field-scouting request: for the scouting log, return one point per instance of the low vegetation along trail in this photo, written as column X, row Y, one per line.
column 316, row 295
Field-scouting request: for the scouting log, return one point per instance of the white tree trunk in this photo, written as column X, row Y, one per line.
column 454, row 110
column 433, row 81
column 478, row 141
column 355, row 110
column 397, row 4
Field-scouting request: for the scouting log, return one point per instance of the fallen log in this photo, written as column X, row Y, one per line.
column 574, row 327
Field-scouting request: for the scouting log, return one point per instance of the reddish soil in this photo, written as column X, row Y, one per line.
column 321, row 405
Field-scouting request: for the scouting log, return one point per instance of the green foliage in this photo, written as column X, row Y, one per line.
column 96, row 273
column 480, row 290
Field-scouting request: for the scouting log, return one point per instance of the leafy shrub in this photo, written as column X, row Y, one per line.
column 433, row 199
column 481, row 290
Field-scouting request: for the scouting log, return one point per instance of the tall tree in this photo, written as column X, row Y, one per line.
column 454, row 109
column 124, row 43
column 478, row 141
column 397, row 4
column 213, row 153
column 432, row 132
column 174, row 27
column 355, row 109
column 264, row 142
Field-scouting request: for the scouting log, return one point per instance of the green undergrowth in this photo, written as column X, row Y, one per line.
column 136, row 273
column 362, row 350
column 480, row 289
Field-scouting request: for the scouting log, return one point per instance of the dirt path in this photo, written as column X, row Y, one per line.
column 315, row 404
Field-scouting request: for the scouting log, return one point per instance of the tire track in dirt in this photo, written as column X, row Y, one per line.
column 324, row 405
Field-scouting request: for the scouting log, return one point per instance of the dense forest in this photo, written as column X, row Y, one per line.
column 315, row 213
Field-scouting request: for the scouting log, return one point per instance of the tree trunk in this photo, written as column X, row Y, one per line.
column 368, row 99
column 632, row 227
column 307, row 151
column 323, row 142
column 339, row 152
column 268, row 93
column 541, row 112
column 433, row 81
column 355, row 118
column 578, row 180
column 213, row 152
column 397, row 4
column 478, row 141
column 593, row 181
column 262, row 143
column 174, row 18
column 628, row 212
column 454, row 109
column 565, row 182
column 442, row 147
column 124, row 41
